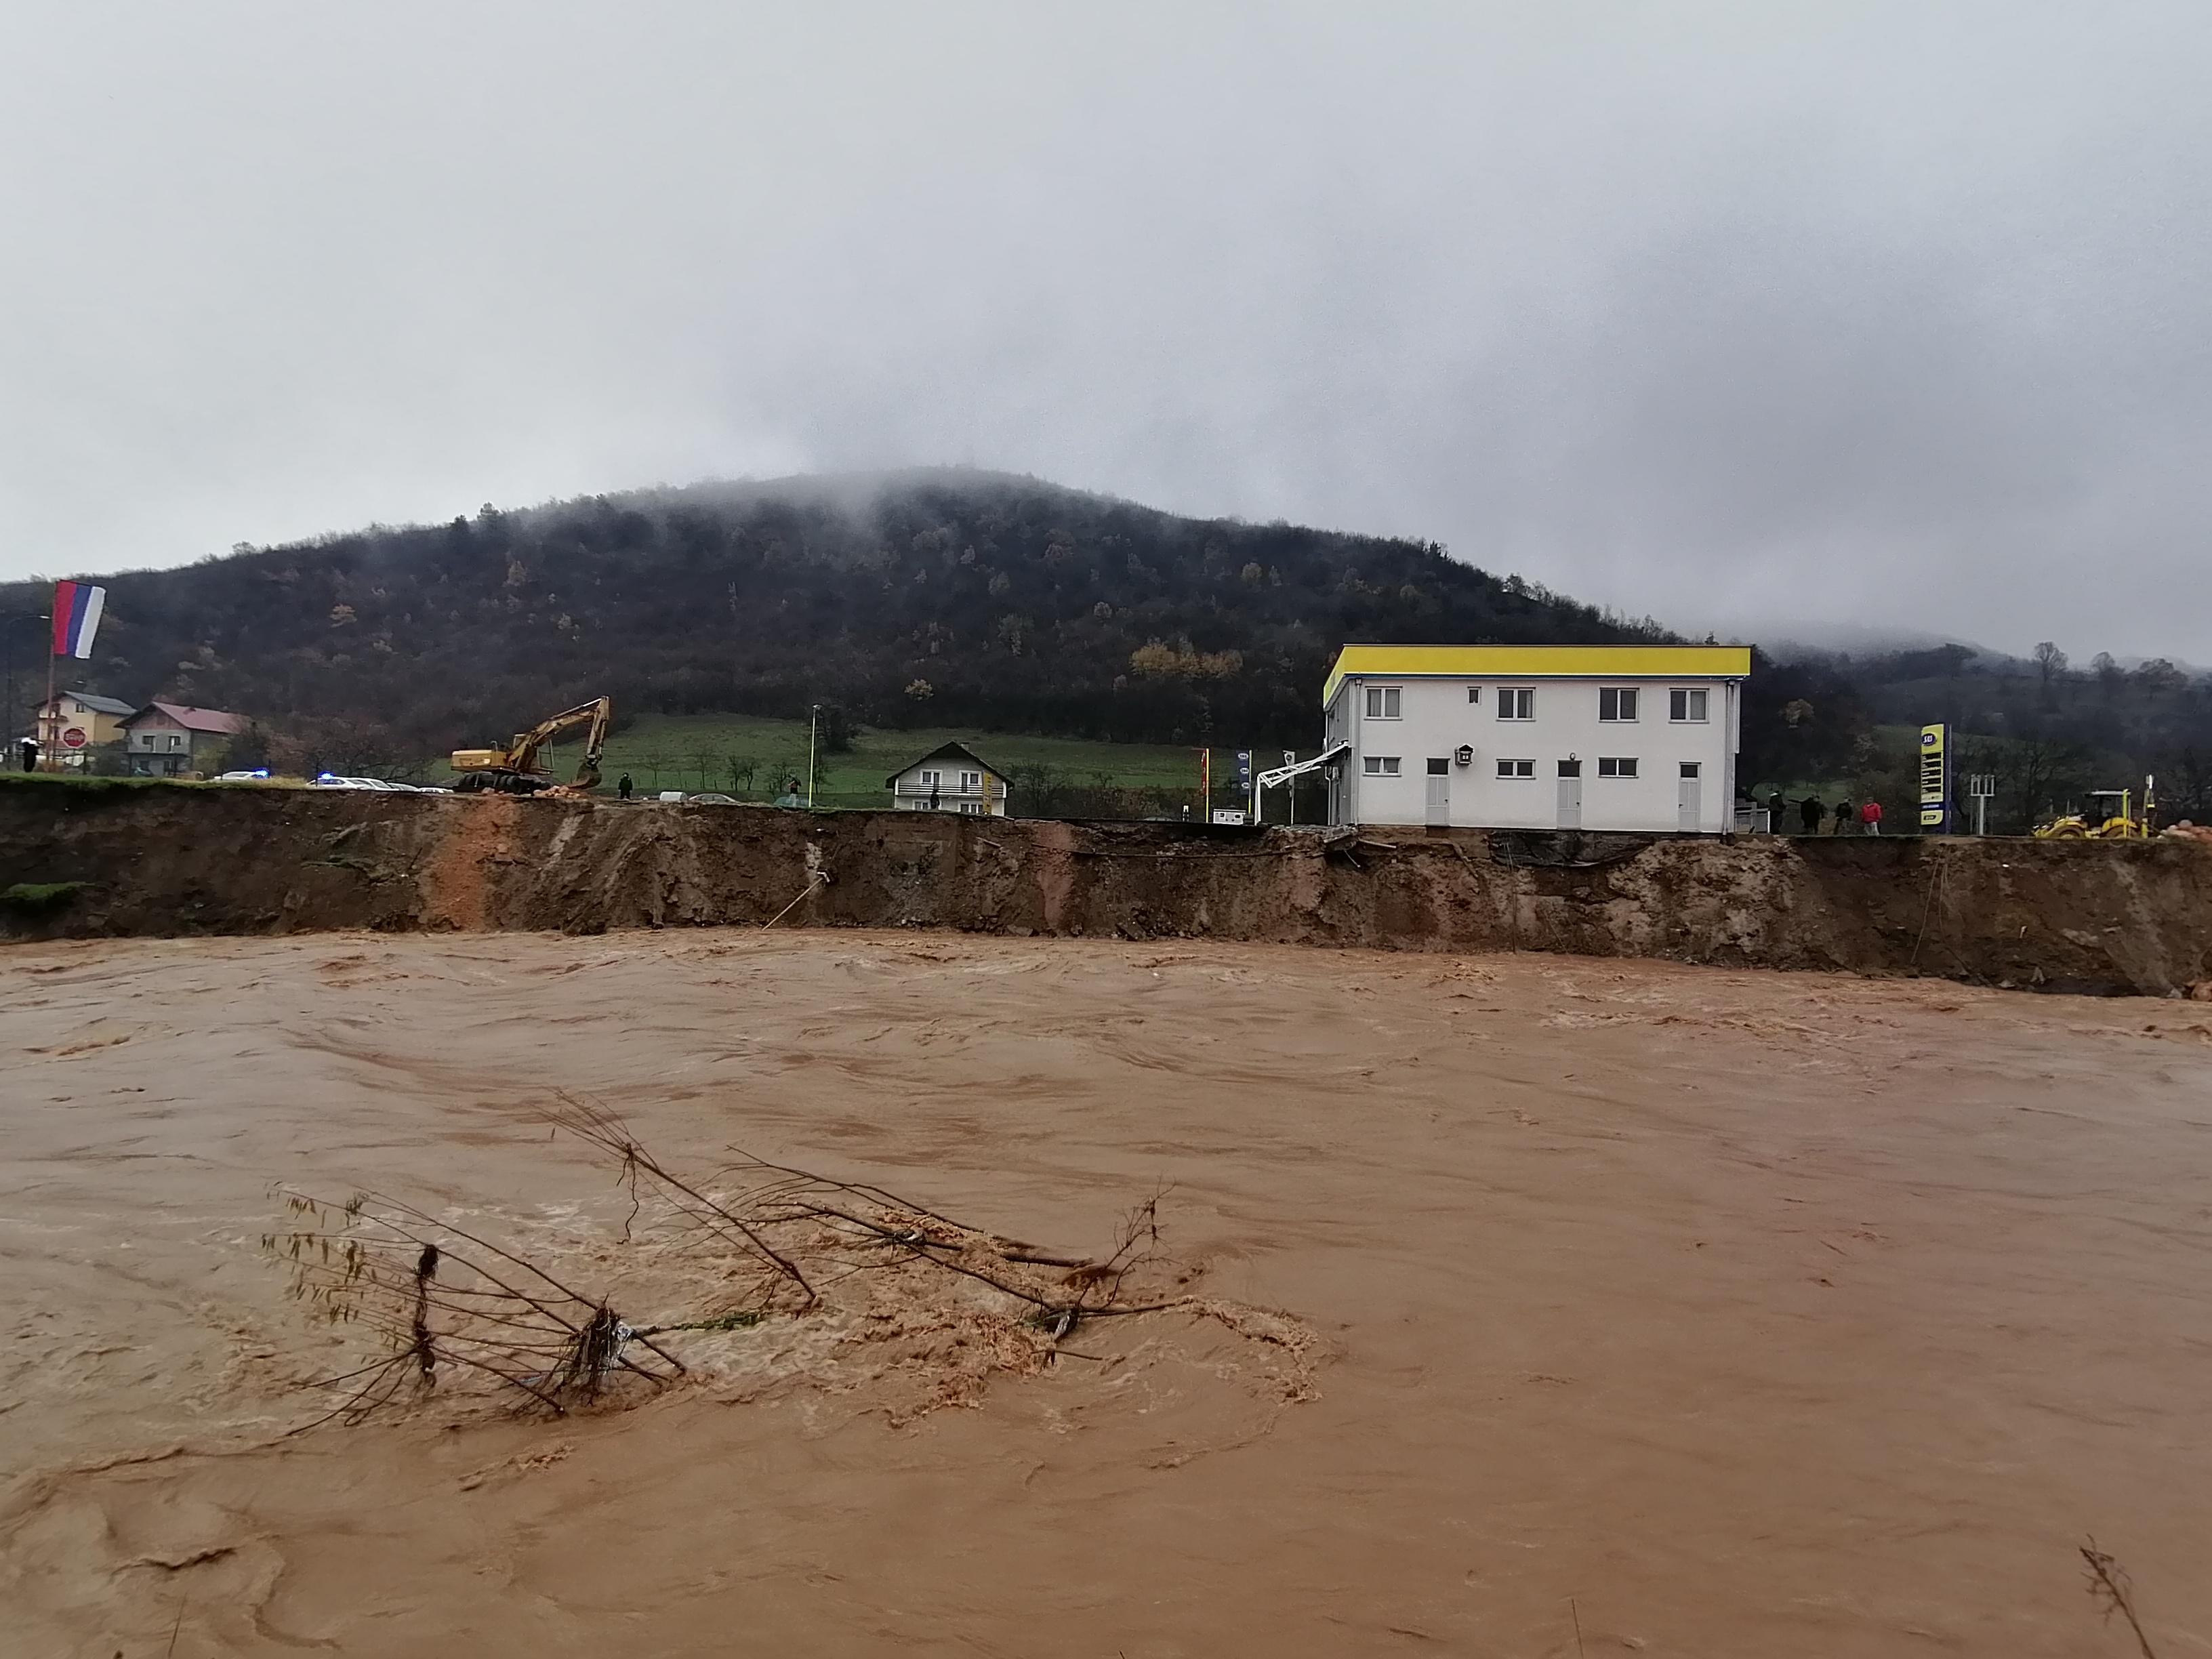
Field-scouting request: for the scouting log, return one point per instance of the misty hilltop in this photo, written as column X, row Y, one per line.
column 937, row 596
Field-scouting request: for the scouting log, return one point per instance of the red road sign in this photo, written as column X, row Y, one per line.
column 73, row 738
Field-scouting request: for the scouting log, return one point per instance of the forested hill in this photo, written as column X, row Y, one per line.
column 944, row 596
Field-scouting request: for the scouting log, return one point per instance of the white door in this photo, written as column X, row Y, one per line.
column 1571, row 794
column 1440, row 791
column 1687, row 803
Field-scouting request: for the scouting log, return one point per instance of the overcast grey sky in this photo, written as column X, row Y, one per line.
column 1737, row 313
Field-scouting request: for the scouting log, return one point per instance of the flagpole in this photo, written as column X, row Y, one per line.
column 50, row 723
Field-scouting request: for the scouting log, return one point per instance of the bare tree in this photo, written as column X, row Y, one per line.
column 2185, row 785
column 2050, row 662
column 2037, row 772
column 2160, row 677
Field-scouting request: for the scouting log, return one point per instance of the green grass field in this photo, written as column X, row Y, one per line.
column 694, row 752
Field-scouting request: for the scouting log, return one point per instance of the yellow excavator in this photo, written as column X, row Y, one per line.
column 514, row 770
column 2110, row 815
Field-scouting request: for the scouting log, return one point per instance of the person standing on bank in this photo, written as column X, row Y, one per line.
column 1810, row 812
column 1870, row 817
column 1846, row 816
column 622, row 785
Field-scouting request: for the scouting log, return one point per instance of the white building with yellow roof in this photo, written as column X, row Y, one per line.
column 1537, row 736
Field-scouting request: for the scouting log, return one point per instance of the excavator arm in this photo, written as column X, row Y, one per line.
column 598, row 712
column 518, row 761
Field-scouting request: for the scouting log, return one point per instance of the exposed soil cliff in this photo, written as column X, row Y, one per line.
column 2076, row 916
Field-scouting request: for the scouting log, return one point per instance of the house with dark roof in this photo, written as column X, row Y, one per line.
column 169, row 739
column 951, row 777
column 76, row 723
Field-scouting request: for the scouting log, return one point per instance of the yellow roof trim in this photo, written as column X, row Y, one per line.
column 1537, row 661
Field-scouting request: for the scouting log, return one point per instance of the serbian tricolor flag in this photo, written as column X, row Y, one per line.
column 77, row 606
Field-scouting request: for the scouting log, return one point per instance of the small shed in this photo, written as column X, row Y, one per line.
column 951, row 777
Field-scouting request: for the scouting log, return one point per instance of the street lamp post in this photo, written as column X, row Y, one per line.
column 813, row 722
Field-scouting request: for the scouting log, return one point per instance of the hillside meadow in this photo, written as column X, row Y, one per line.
column 751, row 757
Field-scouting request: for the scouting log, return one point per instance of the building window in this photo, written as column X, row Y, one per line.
column 1516, row 768
column 1516, row 702
column 1474, row 694
column 1689, row 768
column 1616, row 766
column 1687, row 703
column 970, row 782
column 1571, row 768
column 1616, row 702
column 176, row 740
column 1380, row 766
column 1382, row 702
column 971, row 806
column 1440, row 769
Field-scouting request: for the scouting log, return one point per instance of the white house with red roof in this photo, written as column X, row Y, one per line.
column 169, row 739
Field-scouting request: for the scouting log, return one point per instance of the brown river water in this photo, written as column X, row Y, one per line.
column 1616, row 1307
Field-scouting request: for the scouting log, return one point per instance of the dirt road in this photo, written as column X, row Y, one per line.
column 1714, row 1313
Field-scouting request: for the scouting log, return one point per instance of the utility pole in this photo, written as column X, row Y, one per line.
column 813, row 722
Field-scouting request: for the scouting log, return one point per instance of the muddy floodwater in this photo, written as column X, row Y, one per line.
column 1617, row 1307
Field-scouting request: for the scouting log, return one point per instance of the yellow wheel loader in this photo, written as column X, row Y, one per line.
column 514, row 770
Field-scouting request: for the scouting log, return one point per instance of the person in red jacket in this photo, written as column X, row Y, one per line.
column 1870, row 818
